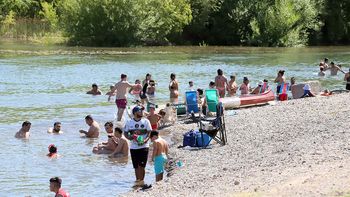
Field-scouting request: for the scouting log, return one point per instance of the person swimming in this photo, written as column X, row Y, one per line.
column 55, row 186
column 94, row 128
column 94, row 90
column 56, row 128
column 321, row 73
column 52, row 151
column 24, row 131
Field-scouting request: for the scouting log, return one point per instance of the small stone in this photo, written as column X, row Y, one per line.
column 236, row 182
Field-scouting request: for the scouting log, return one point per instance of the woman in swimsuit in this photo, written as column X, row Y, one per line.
column 147, row 79
column 174, row 89
column 279, row 80
column 221, row 83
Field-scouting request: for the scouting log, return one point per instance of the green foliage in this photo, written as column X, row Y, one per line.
column 163, row 22
column 283, row 24
column 48, row 12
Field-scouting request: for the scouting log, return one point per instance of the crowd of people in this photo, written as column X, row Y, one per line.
column 137, row 132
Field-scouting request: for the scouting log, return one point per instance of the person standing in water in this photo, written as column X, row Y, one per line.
column 160, row 154
column 94, row 90
column 347, row 79
column 52, row 151
column 94, row 130
column 334, row 69
column 147, row 79
column 122, row 149
column 121, row 97
column 321, row 73
column 232, row 86
column 24, row 131
column 174, row 89
column 221, row 83
column 55, row 186
column 245, row 86
column 110, row 145
column 137, row 131
column 279, row 80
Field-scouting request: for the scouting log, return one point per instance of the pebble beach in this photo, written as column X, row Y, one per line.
column 294, row 148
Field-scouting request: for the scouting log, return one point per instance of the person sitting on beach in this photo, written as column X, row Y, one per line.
column 136, row 89
column 151, row 89
column 24, row 131
column 221, row 83
column 334, row 69
column 110, row 92
column 347, row 79
column 232, row 86
column 324, row 63
column 56, row 128
column 244, row 88
column 52, row 151
column 122, row 89
column 321, row 73
column 160, row 154
column 153, row 118
column 307, row 91
column 279, row 80
column 292, row 83
column 94, row 130
column 94, row 90
column 110, row 145
column 122, row 150
column 55, row 186
column 138, row 128
column 258, row 88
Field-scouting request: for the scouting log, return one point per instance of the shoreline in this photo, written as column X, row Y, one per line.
column 293, row 148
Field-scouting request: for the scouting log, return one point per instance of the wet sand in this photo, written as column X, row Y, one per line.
column 294, row 148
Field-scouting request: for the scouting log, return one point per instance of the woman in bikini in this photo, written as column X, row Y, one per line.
column 174, row 89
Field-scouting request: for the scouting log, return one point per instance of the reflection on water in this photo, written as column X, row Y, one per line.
column 48, row 84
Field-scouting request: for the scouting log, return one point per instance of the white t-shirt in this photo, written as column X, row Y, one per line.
column 306, row 87
column 144, row 126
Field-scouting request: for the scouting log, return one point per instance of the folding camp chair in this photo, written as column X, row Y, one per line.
column 212, row 99
column 191, row 102
column 217, row 131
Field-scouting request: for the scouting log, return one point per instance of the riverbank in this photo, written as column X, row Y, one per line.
column 294, row 148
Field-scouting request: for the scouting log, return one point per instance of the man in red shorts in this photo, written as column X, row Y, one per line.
column 122, row 90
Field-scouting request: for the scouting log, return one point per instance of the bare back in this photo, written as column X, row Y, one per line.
column 161, row 147
column 122, row 89
column 94, row 130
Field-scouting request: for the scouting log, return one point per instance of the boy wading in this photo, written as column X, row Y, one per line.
column 137, row 130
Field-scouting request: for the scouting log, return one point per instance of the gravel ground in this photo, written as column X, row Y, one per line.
column 294, row 148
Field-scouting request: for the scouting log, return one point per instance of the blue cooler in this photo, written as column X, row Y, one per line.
column 190, row 138
column 206, row 139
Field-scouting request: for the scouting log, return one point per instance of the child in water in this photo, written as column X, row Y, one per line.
column 153, row 118
column 137, row 88
column 151, row 89
column 52, row 151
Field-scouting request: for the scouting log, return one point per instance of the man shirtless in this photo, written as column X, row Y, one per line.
column 334, row 69
column 109, row 146
column 232, row 86
column 24, row 131
column 221, row 83
column 122, row 89
column 94, row 130
column 122, row 150
column 160, row 154
column 94, row 90
column 56, row 128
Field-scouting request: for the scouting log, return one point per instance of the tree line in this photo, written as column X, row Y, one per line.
column 185, row 22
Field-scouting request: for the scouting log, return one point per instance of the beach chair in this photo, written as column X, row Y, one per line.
column 191, row 102
column 215, row 128
column 212, row 99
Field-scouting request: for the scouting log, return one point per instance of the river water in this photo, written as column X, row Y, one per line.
column 48, row 84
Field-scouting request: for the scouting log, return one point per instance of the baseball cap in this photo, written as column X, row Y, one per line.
column 136, row 109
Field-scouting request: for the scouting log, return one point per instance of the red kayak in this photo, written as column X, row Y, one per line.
column 248, row 100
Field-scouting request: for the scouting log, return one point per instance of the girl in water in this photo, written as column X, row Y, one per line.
column 136, row 89
column 147, row 79
column 174, row 89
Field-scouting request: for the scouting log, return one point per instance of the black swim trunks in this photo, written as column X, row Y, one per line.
column 139, row 157
column 348, row 86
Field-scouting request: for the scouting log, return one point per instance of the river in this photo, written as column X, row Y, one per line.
column 44, row 84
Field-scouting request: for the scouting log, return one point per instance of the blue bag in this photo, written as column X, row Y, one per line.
column 190, row 138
